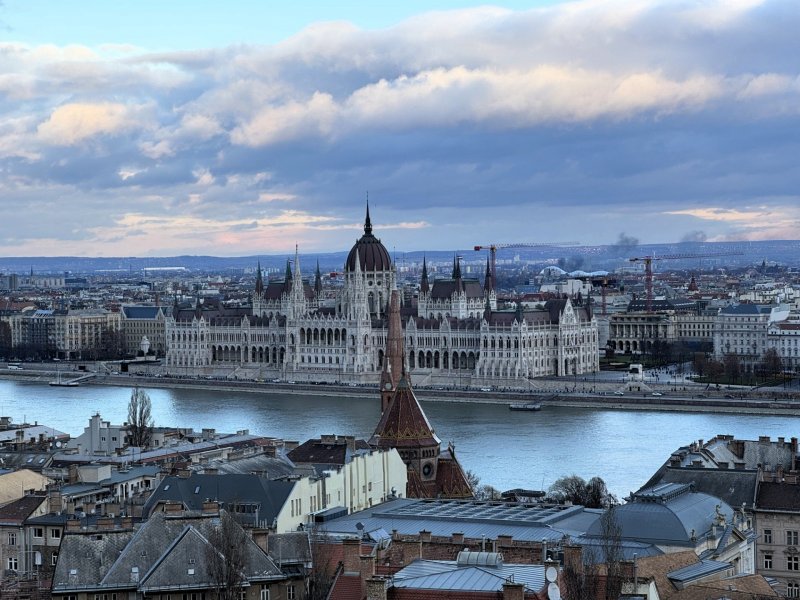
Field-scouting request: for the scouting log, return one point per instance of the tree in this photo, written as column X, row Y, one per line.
column 733, row 366
column 591, row 494
column 140, row 420
column 226, row 558
column 700, row 363
column 479, row 491
column 5, row 339
column 772, row 362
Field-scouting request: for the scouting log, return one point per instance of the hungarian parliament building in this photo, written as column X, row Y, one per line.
column 453, row 332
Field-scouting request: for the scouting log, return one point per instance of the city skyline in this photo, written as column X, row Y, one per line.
column 192, row 130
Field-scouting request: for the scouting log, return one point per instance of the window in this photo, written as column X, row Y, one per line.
column 242, row 594
column 791, row 538
column 793, row 563
column 55, row 534
column 768, row 536
column 768, row 561
column 290, row 593
column 12, row 564
column 38, row 532
column 264, row 592
column 793, row 590
column 54, row 559
column 12, row 539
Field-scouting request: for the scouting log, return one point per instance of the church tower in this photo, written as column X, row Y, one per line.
column 393, row 360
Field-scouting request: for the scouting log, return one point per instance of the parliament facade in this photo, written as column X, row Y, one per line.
column 454, row 333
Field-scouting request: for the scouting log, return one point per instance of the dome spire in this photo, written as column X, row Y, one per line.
column 367, row 222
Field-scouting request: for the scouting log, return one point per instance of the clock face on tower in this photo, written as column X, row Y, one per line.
column 427, row 469
column 387, row 386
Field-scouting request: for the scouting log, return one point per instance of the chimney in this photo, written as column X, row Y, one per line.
column 350, row 440
column 126, row 522
column 722, row 464
column 261, row 538
column 73, row 525
column 504, row 540
column 573, row 558
column 288, row 446
column 367, row 567
column 763, row 439
column 351, row 555
column 457, row 538
column 210, row 507
column 172, row 509
column 513, row 591
column 105, row 523
column 424, row 536
column 376, row 588
column 327, row 438
column 738, row 465
column 55, row 502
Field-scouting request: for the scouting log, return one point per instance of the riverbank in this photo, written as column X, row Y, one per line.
column 692, row 400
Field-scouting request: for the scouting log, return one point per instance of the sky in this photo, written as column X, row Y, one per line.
column 154, row 128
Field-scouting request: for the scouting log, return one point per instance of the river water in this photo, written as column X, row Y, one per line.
column 505, row 449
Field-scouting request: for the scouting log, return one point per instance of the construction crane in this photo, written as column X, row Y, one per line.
column 648, row 268
column 493, row 248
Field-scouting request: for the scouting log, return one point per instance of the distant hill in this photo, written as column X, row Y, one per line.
column 584, row 257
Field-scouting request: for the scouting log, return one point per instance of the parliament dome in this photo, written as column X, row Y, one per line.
column 371, row 253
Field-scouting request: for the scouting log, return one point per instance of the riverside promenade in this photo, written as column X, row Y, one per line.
column 609, row 394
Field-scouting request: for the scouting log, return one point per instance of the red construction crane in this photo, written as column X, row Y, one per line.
column 493, row 248
column 648, row 268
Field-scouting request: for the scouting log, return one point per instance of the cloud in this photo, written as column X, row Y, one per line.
column 70, row 124
column 588, row 117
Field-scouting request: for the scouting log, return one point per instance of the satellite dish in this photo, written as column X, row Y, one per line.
column 551, row 574
column 553, row 593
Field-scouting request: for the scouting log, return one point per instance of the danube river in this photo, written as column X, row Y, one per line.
column 505, row 449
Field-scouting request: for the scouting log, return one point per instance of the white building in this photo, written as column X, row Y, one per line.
column 741, row 329
column 454, row 335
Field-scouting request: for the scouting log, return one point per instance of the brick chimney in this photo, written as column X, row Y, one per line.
column 210, row 507
column 504, row 540
column 513, row 591
column 573, row 558
column 351, row 555
column 424, row 536
column 172, row 509
column 457, row 538
column 376, row 588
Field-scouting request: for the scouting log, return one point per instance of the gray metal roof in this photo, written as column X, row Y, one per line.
column 472, row 518
column 447, row 575
column 698, row 570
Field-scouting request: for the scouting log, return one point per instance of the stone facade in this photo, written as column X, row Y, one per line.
column 454, row 335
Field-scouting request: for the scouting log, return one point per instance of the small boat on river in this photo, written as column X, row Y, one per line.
column 63, row 383
column 529, row 406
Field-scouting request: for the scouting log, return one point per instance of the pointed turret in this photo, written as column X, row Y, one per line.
column 198, row 308
column 488, row 284
column 288, row 275
column 259, row 280
column 393, row 358
column 317, row 281
column 424, row 286
column 367, row 221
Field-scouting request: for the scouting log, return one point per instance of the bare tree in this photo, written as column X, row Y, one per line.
column 772, row 361
column 591, row 494
column 612, row 553
column 481, row 491
column 140, row 420
column 324, row 564
column 733, row 367
column 226, row 558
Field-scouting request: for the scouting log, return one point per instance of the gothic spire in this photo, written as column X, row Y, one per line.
column 259, row 279
column 367, row 222
column 424, row 287
column 288, row 276
column 488, row 284
column 317, row 281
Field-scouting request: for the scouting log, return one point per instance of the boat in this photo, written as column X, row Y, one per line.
column 529, row 406
column 59, row 383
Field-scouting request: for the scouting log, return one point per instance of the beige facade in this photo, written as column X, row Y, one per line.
column 368, row 479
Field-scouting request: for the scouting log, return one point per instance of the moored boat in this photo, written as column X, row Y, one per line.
column 530, row 406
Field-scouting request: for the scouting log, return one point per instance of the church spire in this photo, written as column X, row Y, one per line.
column 259, row 280
column 488, row 284
column 367, row 221
column 288, row 276
column 317, row 281
column 424, row 286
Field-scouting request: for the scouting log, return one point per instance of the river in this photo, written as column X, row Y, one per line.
column 505, row 449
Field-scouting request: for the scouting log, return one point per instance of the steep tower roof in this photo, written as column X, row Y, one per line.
column 393, row 360
column 288, row 276
column 424, row 286
column 404, row 424
column 259, row 280
column 488, row 283
column 317, row 281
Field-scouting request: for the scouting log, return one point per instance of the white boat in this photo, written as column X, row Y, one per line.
column 530, row 406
